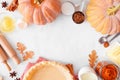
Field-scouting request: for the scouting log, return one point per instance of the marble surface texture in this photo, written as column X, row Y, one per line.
column 61, row 40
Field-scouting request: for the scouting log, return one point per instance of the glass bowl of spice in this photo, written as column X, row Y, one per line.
column 107, row 70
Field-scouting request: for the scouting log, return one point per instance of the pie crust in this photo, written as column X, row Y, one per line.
column 48, row 70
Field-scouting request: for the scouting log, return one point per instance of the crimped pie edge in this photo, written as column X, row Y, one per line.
column 60, row 66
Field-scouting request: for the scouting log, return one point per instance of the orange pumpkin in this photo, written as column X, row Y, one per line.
column 39, row 11
column 104, row 15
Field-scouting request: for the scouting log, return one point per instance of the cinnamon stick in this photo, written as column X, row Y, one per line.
column 13, row 6
column 70, row 67
column 1, row 78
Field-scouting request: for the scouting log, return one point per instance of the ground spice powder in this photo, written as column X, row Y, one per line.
column 107, row 71
column 78, row 17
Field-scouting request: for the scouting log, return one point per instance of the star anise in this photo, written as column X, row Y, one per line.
column 4, row 4
column 13, row 74
column 17, row 78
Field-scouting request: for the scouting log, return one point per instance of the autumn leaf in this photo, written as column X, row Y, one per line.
column 28, row 55
column 93, row 58
column 21, row 47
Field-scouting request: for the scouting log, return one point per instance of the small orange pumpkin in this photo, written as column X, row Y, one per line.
column 104, row 15
column 39, row 11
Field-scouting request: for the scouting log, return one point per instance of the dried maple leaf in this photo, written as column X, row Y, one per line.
column 28, row 54
column 21, row 47
column 93, row 58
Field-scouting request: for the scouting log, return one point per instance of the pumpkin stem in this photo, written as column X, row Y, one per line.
column 38, row 1
column 113, row 10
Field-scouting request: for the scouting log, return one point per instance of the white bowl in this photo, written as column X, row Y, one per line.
column 87, row 71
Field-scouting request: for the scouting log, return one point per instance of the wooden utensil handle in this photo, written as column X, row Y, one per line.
column 7, row 66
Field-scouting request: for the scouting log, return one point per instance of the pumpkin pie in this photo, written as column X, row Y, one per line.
column 48, row 70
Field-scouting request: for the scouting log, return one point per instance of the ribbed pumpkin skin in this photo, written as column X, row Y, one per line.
column 43, row 13
column 98, row 17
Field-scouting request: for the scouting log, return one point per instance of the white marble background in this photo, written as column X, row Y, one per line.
column 62, row 41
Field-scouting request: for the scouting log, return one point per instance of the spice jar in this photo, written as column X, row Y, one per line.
column 107, row 70
column 79, row 16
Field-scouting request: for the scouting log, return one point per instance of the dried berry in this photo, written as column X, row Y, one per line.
column 4, row 4
column 13, row 74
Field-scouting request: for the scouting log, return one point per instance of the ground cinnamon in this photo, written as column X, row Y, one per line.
column 78, row 17
column 107, row 71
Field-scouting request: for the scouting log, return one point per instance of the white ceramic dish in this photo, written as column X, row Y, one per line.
column 68, row 8
column 86, row 73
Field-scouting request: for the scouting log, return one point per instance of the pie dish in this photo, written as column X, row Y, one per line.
column 48, row 70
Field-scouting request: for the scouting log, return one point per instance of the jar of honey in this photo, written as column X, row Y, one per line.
column 107, row 70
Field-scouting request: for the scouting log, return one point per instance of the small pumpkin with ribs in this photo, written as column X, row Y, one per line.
column 104, row 15
column 38, row 11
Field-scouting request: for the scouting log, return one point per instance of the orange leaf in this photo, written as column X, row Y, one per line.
column 93, row 58
column 28, row 54
column 25, row 58
column 21, row 47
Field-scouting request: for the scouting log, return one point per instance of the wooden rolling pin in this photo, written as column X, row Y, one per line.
column 4, row 58
column 1, row 78
column 8, row 49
